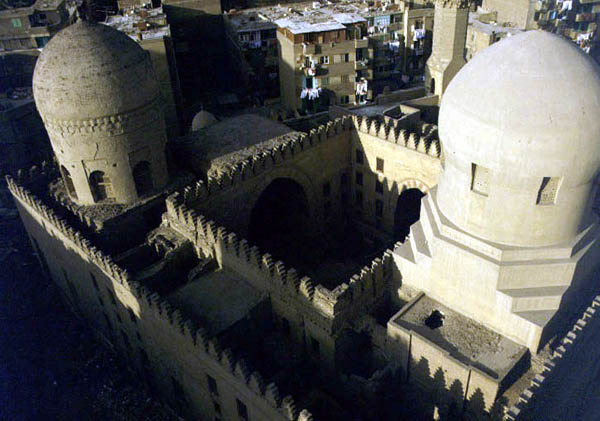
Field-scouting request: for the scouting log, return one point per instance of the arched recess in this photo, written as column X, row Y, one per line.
column 142, row 177
column 101, row 186
column 68, row 182
column 280, row 218
column 408, row 207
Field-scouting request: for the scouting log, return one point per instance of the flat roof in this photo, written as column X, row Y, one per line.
column 217, row 299
column 463, row 338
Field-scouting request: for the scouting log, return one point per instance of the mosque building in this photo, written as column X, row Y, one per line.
column 247, row 271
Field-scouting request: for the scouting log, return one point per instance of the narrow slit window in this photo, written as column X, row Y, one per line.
column 480, row 177
column 548, row 191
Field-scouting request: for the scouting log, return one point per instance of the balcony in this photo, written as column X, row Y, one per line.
column 361, row 43
column 361, row 64
column 585, row 17
column 314, row 70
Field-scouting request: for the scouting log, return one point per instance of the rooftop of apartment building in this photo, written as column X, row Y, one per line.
column 141, row 23
column 314, row 16
column 9, row 8
column 485, row 21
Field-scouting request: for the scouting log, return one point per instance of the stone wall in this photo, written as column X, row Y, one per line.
column 312, row 160
column 411, row 160
column 170, row 352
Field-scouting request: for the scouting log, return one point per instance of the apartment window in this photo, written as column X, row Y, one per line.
column 480, row 179
column 346, row 58
column 16, row 23
column 359, row 157
column 326, row 189
column 212, row 385
column 378, row 186
column 359, row 199
column 324, row 60
column 548, row 190
column 344, row 179
column 242, row 410
column 379, row 208
column 359, row 178
column 379, row 164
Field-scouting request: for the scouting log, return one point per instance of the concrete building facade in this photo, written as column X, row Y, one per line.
column 449, row 38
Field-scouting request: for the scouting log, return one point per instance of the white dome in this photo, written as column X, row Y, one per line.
column 203, row 119
column 527, row 101
column 524, row 109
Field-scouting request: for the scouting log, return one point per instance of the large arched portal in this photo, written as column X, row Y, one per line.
column 408, row 208
column 279, row 222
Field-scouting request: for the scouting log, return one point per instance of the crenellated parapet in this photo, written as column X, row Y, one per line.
column 258, row 164
column 425, row 142
column 566, row 348
column 157, row 308
column 333, row 307
column 454, row 4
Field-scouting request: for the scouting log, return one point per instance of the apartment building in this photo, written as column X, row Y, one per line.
column 23, row 28
column 340, row 53
column 149, row 28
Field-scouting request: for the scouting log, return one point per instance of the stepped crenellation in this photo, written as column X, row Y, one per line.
column 341, row 302
column 152, row 302
column 425, row 142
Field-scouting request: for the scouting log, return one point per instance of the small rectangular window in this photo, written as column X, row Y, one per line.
column 379, row 208
column 548, row 191
column 359, row 199
column 379, row 164
column 326, row 189
column 212, row 385
column 359, row 157
column 480, row 179
column 16, row 23
column 344, row 179
column 324, row 60
column 242, row 410
column 359, row 178
column 315, row 346
column 346, row 57
column 378, row 186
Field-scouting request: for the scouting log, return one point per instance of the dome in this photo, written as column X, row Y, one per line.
column 520, row 130
column 203, row 119
column 529, row 102
column 89, row 70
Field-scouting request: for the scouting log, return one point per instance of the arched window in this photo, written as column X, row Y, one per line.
column 68, row 182
column 101, row 186
column 142, row 176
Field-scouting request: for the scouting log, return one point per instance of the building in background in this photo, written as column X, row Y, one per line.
column 23, row 28
column 149, row 28
column 329, row 53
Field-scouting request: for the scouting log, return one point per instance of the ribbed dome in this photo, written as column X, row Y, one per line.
column 89, row 70
column 530, row 102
